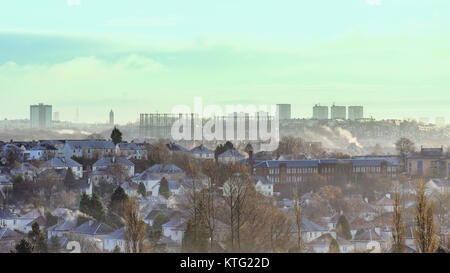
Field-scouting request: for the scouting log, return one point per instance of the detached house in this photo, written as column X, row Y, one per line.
column 115, row 239
column 264, row 186
column 94, row 231
column 174, row 229
column 202, row 152
column 64, row 164
column 8, row 239
column 107, row 162
column 322, row 244
column 26, row 170
column 231, row 155
column 147, row 178
column 311, row 231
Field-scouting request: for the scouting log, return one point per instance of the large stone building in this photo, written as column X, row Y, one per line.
column 292, row 171
column 430, row 162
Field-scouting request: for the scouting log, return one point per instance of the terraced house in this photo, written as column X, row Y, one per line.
column 88, row 149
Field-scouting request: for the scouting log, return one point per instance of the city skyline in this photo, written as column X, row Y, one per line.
column 392, row 58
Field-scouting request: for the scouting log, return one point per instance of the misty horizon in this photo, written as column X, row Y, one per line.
column 392, row 58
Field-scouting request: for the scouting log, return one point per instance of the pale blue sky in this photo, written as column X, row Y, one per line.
column 139, row 56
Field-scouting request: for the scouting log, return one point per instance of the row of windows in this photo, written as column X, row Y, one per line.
column 294, row 179
column 366, row 169
column 301, row 170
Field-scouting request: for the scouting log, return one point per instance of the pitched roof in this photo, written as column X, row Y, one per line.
column 152, row 215
column 90, row 144
column 174, row 185
column 288, row 163
column 130, row 146
column 107, row 161
column 176, row 147
column 201, row 150
column 65, row 226
column 367, row 235
column 6, row 215
column 325, row 240
column 61, row 163
column 359, row 223
column 308, row 226
column 165, row 169
column 146, row 176
column 264, row 180
column 8, row 234
column 384, row 201
column 231, row 153
column 117, row 235
column 94, row 228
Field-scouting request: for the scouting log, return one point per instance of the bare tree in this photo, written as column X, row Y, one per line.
column 135, row 229
column 424, row 235
column 298, row 220
column 397, row 224
column 235, row 192
column 404, row 146
column 208, row 196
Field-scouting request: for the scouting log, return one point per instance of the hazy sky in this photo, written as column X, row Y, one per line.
column 392, row 56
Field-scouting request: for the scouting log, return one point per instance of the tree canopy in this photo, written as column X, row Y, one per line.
column 116, row 136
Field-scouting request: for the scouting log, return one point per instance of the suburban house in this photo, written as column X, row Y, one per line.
column 174, row 229
column 64, row 164
column 176, row 148
column 264, row 186
column 359, row 224
column 438, row 186
column 42, row 152
column 63, row 229
column 115, row 239
column 311, row 231
column 131, row 151
column 152, row 215
column 25, row 170
column 384, row 204
column 6, row 186
column 90, row 149
column 174, row 187
column 322, row 244
column 361, row 241
column 8, row 239
column 130, row 188
column 231, row 155
column 109, row 162
column 93, row 230
column 147, row 178
column 202, row 152
column 169, row 171
column 15, row 222
column 39, row 220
